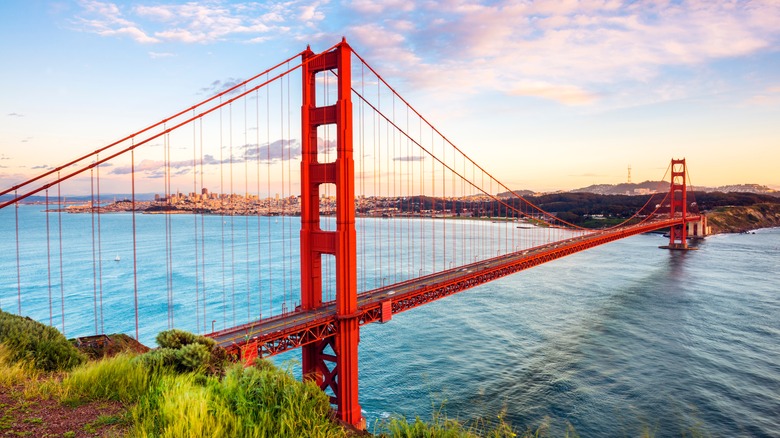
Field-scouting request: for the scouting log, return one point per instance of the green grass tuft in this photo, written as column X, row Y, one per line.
column 121, row 378
column 251, row 402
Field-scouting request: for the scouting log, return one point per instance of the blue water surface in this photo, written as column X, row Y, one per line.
column 618, row 340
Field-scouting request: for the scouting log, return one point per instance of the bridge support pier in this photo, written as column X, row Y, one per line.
column 332, row 363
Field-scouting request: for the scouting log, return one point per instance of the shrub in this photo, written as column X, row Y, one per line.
column 187, row 352
column 44, row 347
column 159, row 358
column 174, row 339
column 193, row 357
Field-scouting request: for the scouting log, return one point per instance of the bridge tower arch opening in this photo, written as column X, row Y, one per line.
column 332, row 362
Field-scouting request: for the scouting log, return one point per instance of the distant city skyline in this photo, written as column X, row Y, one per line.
column 549, row 95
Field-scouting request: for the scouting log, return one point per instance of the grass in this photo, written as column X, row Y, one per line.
column 179, row 399
column 121, row 378
column 259, row 401
column 103, row 421
column 14, row 372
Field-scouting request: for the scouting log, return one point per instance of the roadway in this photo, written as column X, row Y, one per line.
column 280, row 333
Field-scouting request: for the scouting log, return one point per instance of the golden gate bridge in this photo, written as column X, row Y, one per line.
column 392, row 215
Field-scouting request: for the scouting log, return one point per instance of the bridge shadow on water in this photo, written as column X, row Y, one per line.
column 604, row 355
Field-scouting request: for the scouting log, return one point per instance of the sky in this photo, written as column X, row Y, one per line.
column 546, row 95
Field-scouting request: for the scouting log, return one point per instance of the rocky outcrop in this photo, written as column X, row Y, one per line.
column 741, row 219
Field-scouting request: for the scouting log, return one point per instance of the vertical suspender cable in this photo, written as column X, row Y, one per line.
column 167, row 223
column 18, row 262
column 169, row 231
column 135, row 239
column 257, row 212
column 269, row 199
column 62, row 281
column 394, row 243
column 94, row 250
column 232, row 206
column 195, row 214
column 100, row 246
column 362, row 111
column 203, row 234
column 246, row 209
column 284, row 198
column 222, row 217
column 289, row 181
column 48, row 259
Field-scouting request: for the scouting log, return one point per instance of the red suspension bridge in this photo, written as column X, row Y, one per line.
column 288, row 243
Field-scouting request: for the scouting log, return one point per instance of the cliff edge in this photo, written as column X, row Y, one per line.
column 731, row 219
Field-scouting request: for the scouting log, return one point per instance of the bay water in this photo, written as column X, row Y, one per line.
column 619, row 340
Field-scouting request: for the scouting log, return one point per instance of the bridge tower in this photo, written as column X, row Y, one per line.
column 333, row 362
column 678, row 204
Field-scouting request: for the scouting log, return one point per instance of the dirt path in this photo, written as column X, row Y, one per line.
column 40, row 417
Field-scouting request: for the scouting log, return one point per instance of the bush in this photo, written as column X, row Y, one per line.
column 174, row 339
column 185, row 352
column 159, row 358
column 44, row 347
column 193, row 357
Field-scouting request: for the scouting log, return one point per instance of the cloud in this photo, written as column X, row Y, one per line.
column 158, row 55
column 42, row 166
column 588, row 175
column 576, row 47
column 280, row 150
column 15, row 115
column 191, row 22
column 410, row 158
column 4, row 157
column 106, row 19
column 311, row 12
column 377, row 7
column 565, row 94
column 219, row 86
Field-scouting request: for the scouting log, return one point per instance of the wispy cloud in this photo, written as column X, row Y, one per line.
column 563, row 93
column 280, row 150
column 191, row 22
column 564, row 51
column 159, row 55
column 42, row 166
column 220, row 85
column 106, row 19
column 410, row 158
column 575, row 47
column 15, row 115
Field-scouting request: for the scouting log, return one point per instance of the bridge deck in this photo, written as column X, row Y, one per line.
column 294, row 329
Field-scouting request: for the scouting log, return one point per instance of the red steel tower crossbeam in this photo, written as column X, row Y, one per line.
column 331, row 362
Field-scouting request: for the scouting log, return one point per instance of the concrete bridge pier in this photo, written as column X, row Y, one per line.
column 699, row 229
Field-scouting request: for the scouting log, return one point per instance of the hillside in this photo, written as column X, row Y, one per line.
column 737, row 219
